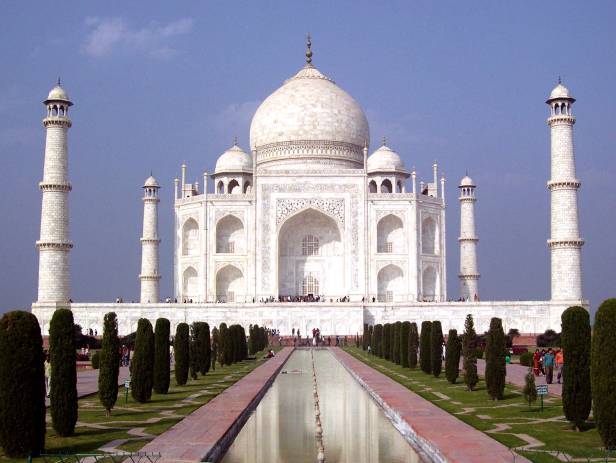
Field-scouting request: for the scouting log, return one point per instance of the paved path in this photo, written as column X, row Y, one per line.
column 87, row 381
column 434, row 430
column 516, row 374
column 205, row 434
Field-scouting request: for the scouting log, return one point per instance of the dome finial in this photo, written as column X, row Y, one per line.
column 235, row 140
column 308, row 49
column 384, row 141
column 560, row 80
column 59, row 81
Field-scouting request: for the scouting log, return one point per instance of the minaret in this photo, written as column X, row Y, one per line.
column 469, row 274
column 150, row 276
column 565, row 243
column 54, row 243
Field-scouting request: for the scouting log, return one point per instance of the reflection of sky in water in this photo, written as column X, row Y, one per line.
column 282, row 427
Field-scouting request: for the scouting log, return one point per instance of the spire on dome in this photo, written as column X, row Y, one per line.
column 308, row 49
column 384, row 141
column 560, row 80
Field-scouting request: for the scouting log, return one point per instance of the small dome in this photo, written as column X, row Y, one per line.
column 560, row 91
column 467, row 181
column 384, row 159
column 58, row 94
column 234, row 160
column 151, row 182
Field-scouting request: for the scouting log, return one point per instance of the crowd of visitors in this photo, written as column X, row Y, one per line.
column 545, row 362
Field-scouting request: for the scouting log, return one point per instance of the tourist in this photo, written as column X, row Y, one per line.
column 369, row 349
column 548, row 365
column 559, row 361
column 536, row 358
column 47, row 374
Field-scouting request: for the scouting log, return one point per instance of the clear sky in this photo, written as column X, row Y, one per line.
column 156, row 84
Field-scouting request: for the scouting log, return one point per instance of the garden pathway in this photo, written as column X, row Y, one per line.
column 516, row 375
column 87, row 381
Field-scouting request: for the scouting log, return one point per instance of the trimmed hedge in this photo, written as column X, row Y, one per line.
column 377, row 336
column 405, row 331
column 385, row 343
column 395, row 354
column 63, row 355
column 109, row 363
column 142, row 365
column 413, row 345
column 22, row 385
column 496, row 368
column 162, row 368
column 95, row 360
column 452, row 357
column 215, row 341
column 603, row 372
column 576, row 343
column 436, row 348
column 425, row 358
column 181, row 352
column 526, row 359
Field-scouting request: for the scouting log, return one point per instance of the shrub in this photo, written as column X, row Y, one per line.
column 530, row 390
column 386, row 341
column 96, row 358
column 215, row 341
column 479, row 352
column 63, row 384
column 526, row 359
column 377, row 334
column 413, row 345
column 222, row 344
column 603, row 372
column 395, row 354
column 180, row 349
column 109, row 363
column 496, row 368
column 405, row 330
column 425, row 358
column 469, row 352
column 22, row 385
column 452, row 357
column 162, row 369
column 194, row 350
column 436, row 348
column 392, row 336
column 549, row 339
column 142, row 366
column 576, row 371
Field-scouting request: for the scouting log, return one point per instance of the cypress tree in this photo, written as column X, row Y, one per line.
column 162, row 369
column 253, row 342
column 369, row 341
column 364, row 337
column 194, row 350
column 222, row 344
column 181, row 351
column 496, row 368
column 244, row 343
column 452, row 357
column 22, row 385
column 576, row 343
column 142, row 366
column 391, row 341
column 395, row 348
column 413, row 345
column 469, row 352
column 603, row 372
column 214, row 348
column 376, row 339
column 405, row 331
column 425, row 359
column 205, row 348
column 436, row 348
column 63, row 355
column 386, row 351
column 109, row 363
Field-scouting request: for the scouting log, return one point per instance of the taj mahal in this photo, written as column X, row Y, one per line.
column 311, row 227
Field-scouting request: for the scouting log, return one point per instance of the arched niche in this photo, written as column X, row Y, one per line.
column 230, row 237
column 390, row 282
column 390, row 234
column 429, row 283
column 190, row 283
column 229, row 284
column 190, row 238
column 429, row 236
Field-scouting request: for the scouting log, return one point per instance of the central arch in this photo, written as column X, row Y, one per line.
column 310, row 251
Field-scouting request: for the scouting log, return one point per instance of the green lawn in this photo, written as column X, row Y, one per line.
column 475, row 408
column 95, row 430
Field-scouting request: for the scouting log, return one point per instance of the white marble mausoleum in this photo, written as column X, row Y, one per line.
column 308, row 227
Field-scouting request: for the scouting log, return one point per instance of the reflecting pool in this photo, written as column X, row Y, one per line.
column 282, row 428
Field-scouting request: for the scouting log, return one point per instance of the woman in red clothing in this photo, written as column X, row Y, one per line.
column 536, row 362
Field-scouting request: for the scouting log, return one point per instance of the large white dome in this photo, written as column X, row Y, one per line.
column 309, row 123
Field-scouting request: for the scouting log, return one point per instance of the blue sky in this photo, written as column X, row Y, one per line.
column 155, row 85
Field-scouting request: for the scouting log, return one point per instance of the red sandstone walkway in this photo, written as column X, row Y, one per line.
column 433, row 429
column 87, row 381
column 516, row 375
column 198, row 436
